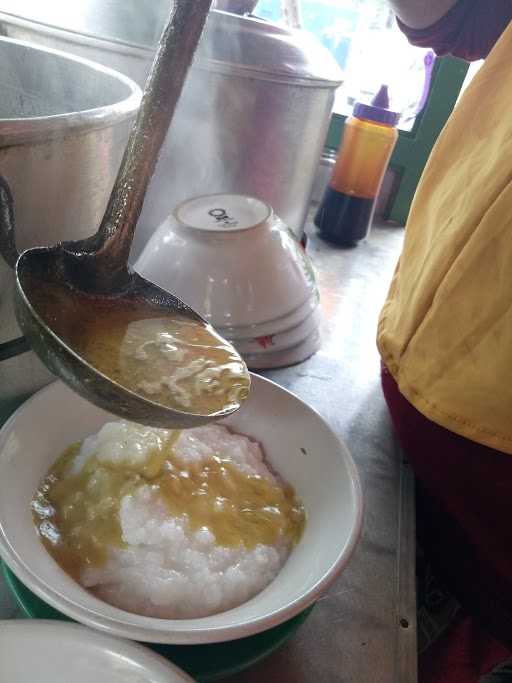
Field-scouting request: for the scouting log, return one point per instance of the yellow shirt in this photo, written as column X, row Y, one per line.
column 445, row 332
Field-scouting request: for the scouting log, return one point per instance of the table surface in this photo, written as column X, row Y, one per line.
column 363, row 630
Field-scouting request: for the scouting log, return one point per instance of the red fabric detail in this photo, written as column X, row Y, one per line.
column 469, row 30
column 462, row 654
column 464, row 512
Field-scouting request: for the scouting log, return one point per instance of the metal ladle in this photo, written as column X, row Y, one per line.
column 97, row 266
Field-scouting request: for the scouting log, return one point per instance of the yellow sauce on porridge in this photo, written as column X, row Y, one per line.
column 77, row 515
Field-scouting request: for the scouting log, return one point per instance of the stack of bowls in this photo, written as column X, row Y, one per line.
column 235, row 262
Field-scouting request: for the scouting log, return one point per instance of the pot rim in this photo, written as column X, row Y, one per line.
column 144, row 52
column 15, row 131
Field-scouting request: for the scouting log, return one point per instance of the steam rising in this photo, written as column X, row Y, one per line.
column 235, row 129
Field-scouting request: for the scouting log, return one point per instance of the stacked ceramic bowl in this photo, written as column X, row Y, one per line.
column 235, row 262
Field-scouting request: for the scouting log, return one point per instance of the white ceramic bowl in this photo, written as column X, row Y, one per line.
column 281, row 341
column 279, row 358
column 231, row 259
column 44, row 651
column 275, row 326
column 298, row 443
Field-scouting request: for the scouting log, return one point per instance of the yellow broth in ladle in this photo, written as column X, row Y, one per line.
column 171, row 360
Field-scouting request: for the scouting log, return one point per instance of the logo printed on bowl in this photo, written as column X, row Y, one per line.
column 229, row 212
column 222, row 218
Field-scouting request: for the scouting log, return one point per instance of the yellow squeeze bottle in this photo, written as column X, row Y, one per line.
column 369, row 137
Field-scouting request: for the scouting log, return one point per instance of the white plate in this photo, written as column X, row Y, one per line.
column 42, row 651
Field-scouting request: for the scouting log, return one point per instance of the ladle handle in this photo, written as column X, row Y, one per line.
column 18, row 345
column 177, row 46
column 7, row 242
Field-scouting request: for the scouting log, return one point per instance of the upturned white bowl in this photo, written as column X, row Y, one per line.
column 275, row 326
column 298, row 443
column 231, row 259
column 280, row 341
column 279, row 358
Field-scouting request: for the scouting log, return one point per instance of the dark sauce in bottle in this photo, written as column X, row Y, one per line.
column 369, row 136
column 344, row 219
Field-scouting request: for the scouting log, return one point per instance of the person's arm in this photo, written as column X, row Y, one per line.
column 463, row 28
column 419, row 14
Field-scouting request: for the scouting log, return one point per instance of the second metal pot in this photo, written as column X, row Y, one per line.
column 64, row 123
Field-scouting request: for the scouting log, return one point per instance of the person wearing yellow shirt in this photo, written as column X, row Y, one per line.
column 445, row 332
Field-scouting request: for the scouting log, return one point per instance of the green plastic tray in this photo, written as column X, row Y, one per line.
column 205, row 663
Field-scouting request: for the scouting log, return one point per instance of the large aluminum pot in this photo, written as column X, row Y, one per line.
column 254, row 112
column 64, row 123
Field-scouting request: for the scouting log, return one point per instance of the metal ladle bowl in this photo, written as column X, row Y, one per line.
column 97, row 266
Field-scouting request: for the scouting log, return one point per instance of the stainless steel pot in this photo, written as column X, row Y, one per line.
column 64, row 123
column 254, row 112
column 323, row 175
column 235, row 6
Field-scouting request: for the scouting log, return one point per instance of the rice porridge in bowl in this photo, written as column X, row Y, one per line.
column 300, row 448
column 166, row 523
